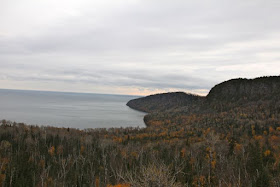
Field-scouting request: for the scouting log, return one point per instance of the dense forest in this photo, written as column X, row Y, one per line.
column 163, row 102
column 231, row 137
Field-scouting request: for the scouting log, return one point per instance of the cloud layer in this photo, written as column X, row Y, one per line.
column 136, row 47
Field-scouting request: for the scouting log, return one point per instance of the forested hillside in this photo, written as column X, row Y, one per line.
column 163, row 102
column 206, row 143
column 247, row 95
column 263, row 88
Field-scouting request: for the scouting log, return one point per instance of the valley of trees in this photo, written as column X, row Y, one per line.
column 231, row 141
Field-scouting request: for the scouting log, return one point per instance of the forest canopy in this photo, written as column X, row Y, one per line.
column 217, row 140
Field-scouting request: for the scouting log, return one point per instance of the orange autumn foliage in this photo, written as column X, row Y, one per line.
column 51, row 150
column 267, row 153
column 183, row 152
column 82, row 149
column 213, row 164
column 271, row 130
column 199, row 181
column 119, row 185
column 97, row 182
column 237, row 148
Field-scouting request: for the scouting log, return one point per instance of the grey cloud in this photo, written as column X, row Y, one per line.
column 146, row 79
column 160, row 26
column 147, row 44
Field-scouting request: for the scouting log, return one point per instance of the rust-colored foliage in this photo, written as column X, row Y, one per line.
column 2, row 179
column 119, row 185
column 51, row 150
column 267, row 153
column 97, row 182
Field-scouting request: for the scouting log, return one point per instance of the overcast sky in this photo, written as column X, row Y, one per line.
column 136, row 46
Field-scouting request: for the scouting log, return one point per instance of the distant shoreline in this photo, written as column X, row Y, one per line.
column 61, row 92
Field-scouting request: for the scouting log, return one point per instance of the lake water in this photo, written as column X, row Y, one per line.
column 76, row 110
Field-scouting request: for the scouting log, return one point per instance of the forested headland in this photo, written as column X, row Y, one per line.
column 231, row 137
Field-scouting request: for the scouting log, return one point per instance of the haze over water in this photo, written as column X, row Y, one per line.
column 76, row 110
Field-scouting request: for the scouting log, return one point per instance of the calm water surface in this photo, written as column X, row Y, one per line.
column 76, row 110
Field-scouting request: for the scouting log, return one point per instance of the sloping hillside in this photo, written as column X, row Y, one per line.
column 244, row 93
column 257, row 99
column 264, row 88
column 163, row 102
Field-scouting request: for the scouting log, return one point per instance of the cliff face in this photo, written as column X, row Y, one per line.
column 263, row 88
column 163, row 102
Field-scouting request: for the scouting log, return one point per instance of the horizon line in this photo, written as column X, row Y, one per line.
column 69, row 92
